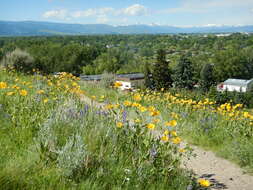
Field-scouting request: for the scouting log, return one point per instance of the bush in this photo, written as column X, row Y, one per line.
column 19, row 60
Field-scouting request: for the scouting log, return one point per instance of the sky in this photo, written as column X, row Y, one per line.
column 184, row 13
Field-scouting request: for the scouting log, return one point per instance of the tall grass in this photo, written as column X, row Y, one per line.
column 225, row 129
column 52, row 140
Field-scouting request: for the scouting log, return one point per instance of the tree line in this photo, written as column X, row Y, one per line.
column 190, row 59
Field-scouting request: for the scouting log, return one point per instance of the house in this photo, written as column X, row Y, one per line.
column 130, row 81
column 91, row 78
column 237, row 85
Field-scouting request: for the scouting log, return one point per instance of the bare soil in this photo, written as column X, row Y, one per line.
column 222, row 173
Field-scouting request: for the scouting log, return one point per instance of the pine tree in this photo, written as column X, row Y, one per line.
column 147, row 77
column 161, row 73
column 183, row 76
column 207, row 78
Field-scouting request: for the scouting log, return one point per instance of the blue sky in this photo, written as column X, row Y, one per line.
column 126, row 12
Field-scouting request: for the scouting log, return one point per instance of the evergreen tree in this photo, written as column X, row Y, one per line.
column 161, row 73
column 213, row 93
column 207, row 78
column 183, row 76
column 147, row 77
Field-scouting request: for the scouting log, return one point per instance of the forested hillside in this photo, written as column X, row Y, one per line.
column 33, row 28
column 231, row 55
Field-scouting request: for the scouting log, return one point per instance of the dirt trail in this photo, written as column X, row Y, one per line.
column 222, row 173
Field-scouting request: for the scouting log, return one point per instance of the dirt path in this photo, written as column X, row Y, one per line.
column 222, row 173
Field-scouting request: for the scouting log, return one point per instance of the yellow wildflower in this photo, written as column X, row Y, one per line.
column 165, row 138
column 137, row 97
column 174, row 133
column 45, row 100
column 109, row 106
column 176, row 140
column 74, row 84
column 10, row 93
column 174, row 115
column 127, row 103
column 15, row 86
column 135, row 104
column 182, row 150
column 23, row 92
column 150, row 126
column 171, row 123
column 143, row 109
column 117, row 84
column 166, row 132
column 40, row 92
column 137, row 120
column 151, row 108
column 3, row 85
column 154, row 113
column 204, row 182
column 246, row 114
column 119, row 124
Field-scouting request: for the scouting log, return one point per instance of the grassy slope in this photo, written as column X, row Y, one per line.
column 229, row 138
column 51, row 140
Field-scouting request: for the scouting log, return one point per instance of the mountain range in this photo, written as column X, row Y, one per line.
column 34, row 28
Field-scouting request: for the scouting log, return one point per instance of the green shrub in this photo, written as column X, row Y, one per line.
column 19, row 60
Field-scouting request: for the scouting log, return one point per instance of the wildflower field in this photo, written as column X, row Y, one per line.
column 50, row 139
column 226, row 129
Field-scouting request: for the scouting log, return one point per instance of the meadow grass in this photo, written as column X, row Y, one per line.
column 52, row 140
column 226, row 129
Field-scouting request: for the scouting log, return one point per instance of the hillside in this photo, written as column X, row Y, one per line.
column 32, row 28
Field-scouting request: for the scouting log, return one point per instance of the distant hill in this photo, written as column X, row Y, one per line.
column 32, row 28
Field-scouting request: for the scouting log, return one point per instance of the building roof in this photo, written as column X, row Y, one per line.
column 130, row 76
column 237, row 82
column 91, row 77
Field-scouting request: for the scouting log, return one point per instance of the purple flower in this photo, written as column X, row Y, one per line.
column 124, row 116
column 153, row 152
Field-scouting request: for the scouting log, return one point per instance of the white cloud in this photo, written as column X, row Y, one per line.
column 59, row 14
column 93, row 12
column 86, row 13
column 200, row 6
column 99, row 15
column 135, row 10
column 102, row 19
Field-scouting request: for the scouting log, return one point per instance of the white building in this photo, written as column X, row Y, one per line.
column 237, row 85
column 130, row 81
column 125, row 85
